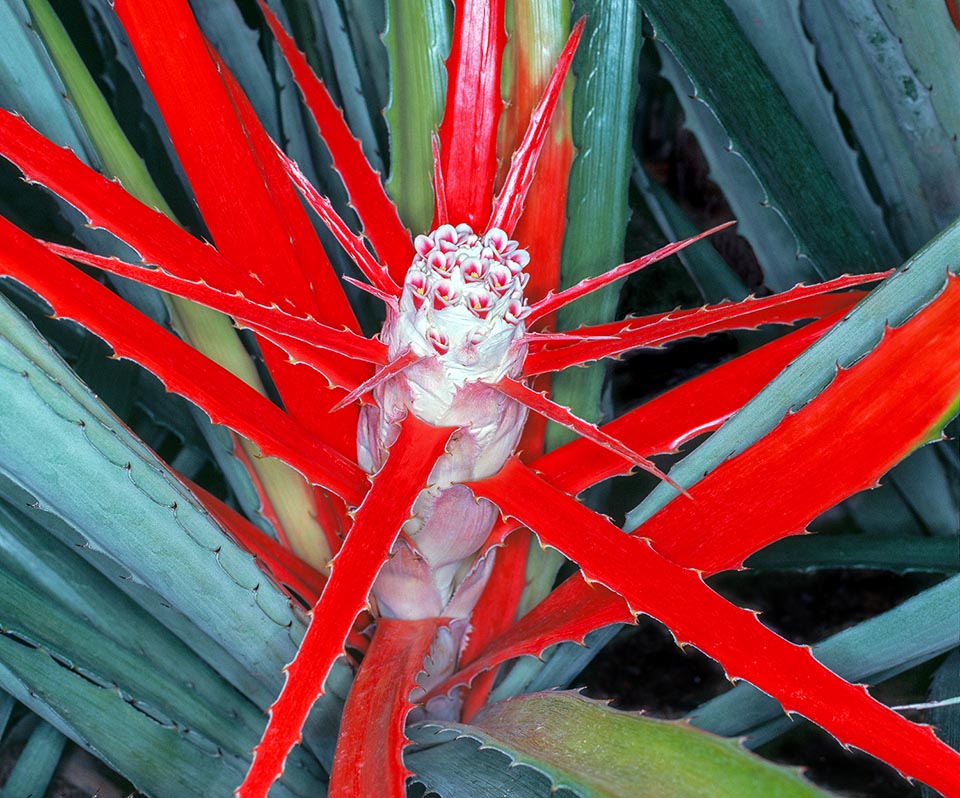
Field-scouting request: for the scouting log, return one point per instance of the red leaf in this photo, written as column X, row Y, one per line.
column 247, row 202
column 341, row 371
column 508, row 204
column 391, row 369
column 377, row 213
column 156, row 238
column 539, row 403
column 810, row 462
column 698, row 616
column 660, row 425
column 369, row 761
column 495, row 612
column 554, row 301
column 802, row 302
column 544, row 218
column 843, row 462
column 225, row 398
column 468, row 133
column 375, row 529
column 304, row 392
column 665, row 423
column 343, row 341
column 350, row 241
column 570, row 612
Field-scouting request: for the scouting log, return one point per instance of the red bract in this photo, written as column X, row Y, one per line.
column 445, row 394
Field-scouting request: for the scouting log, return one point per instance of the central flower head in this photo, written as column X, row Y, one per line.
column 463, row 303
column 461, row 317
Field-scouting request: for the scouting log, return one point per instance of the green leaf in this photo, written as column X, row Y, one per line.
column 758, row 150
column 166, row 762
column 29, row 81
column 932, row 48
column 207, row 708
column 898, row 553
column 898, row 112
column 557, row 734
column 895, row 301
column 366, row 23
column 714, row 279
column 913, row 632
column 945, row 688
column 7, row 703
column 925, row 483
column 108, row 635
column 332, row 30
column 778, row 35
column 35, row 766
column 605, row 68
column 417, row 45
column 557, row 667
column 68, row 452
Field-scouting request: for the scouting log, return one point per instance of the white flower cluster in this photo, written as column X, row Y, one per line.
column 462, row 286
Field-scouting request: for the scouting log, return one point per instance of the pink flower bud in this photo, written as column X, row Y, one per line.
column 439, row 341
column 417, row 283
column 439, row 263
column 518, row 260
column 446, row 237
column 473, row 269
column 423, row 245
column 496, row 238
column 445, row 294
column 499, row 279
column 480, row 303
column 516, row 311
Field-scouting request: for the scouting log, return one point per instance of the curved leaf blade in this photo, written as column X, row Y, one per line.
column 377, row 524
column 901, row 297
column 641, row 757
column 730, row 78
column 369, row 761
column 734, row 637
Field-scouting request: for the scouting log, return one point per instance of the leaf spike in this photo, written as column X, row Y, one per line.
column 383, row 296
column 563, row 337
column 508, row 204
column 342, row 341
column 539, row 403
column 393, row 368
column 378, row 214
column 468, row 132
column 788, row 307
column 441, row 215
column 384, row 510
column 375, row 272
column 282, row 563
column 553, row 301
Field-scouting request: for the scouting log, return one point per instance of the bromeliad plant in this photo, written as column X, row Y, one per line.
column 401, row 471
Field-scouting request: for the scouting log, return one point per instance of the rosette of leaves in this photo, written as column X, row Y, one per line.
column 165, row 534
